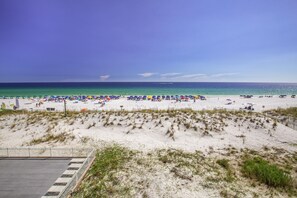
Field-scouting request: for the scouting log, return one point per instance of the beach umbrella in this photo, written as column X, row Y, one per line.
column 17, row 103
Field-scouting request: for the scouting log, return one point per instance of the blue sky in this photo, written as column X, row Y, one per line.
column 149, row 40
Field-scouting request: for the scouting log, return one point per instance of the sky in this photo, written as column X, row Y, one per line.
column 148, row 40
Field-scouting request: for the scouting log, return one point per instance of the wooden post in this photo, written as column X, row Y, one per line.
column 64, row 107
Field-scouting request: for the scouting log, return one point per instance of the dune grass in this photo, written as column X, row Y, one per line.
column 182, row 160
column 266, row 173
column 292, row 112
column 4, row 112
column 223, row 163
column 61, row 137
column 229, row 173
column 101, row 180
column 120, row 172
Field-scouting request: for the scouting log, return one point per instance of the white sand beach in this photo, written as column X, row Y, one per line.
column 211, row 102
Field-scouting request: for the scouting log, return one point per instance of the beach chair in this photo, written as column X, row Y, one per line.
column 202, row 98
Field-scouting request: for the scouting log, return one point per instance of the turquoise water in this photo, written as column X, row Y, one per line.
column 141, row 88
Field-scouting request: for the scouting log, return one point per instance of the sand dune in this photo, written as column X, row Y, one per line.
column 184, row 129
column 178, row 150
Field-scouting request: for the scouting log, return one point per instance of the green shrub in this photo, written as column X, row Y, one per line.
column 266, row 173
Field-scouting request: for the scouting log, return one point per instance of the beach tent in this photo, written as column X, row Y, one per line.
column 149, row 97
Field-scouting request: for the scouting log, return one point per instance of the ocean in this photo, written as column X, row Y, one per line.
column 145, row 88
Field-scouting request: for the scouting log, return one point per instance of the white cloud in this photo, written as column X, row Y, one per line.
column 104, row 77
column 170, row 74
column 204, row 77
column 193, row 76
column 223, row 75
column 147, row 74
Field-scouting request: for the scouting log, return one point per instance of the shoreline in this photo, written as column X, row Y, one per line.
column 127, row 95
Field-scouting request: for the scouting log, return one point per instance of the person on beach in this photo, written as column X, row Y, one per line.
column 3, row 106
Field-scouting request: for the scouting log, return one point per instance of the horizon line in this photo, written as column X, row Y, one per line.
column 147, row 82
